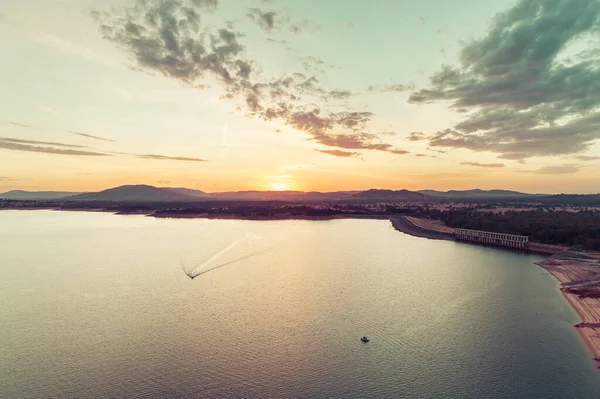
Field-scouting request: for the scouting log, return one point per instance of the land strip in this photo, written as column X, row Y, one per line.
column 579, row 275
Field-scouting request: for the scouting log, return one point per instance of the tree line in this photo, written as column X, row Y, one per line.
column 548, row 227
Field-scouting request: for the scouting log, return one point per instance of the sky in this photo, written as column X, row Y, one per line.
column 312, row 95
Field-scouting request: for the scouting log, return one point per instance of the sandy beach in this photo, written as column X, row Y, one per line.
column 579, row 275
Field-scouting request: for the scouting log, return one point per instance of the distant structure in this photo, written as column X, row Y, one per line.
column 489, row 238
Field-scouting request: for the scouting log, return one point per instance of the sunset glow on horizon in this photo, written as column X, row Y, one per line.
column 223, row 95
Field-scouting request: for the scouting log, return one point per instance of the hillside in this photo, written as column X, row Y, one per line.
column 186, row 191
column 282, row 195
column 476, row 194
column 133, row 193
column 390, row 195
column 36, row 195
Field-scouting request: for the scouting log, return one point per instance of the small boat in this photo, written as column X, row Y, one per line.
column 364, row 339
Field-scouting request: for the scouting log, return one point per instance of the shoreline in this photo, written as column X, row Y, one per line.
column 583, row 331
column 407, row 225
column 578, row 273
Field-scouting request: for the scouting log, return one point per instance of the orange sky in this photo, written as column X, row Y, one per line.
column 301, row 96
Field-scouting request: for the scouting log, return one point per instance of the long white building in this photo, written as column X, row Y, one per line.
column 489, row 238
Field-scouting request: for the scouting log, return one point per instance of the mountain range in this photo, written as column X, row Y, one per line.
column 146, row 193
column 36, row 195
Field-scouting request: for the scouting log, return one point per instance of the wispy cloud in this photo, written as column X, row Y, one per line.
column 20, row 145
column 388, row 88
column 91, row 136
column 417, row 136
column 264, row 19
column 586, row 158
column 11, row 140
column 557, row 169
column 269, row 20
column 20, row 125
column 340, row 153
column 438, row 151
column 523, row 97
column 49, row 147
column 483, row 165
column 168, row 158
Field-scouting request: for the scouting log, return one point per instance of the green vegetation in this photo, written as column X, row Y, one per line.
column 548, row 227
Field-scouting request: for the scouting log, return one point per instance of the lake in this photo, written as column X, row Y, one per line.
column 96, row 305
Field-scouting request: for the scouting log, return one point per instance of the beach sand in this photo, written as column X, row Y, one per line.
column 579, row 275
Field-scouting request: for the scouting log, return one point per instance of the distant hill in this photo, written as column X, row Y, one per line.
column 186, row 191
column 133, row 193
column 282, row 195
column 390, row 195
column 476, row 194
column 36, row 195
column 146, row 193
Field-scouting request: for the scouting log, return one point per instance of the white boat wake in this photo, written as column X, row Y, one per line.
column 202, row 268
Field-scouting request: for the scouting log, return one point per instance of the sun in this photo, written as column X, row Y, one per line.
column 279, row 186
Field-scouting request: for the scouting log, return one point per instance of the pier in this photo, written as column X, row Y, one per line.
column 495, row 239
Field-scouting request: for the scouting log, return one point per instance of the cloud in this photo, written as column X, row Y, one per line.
column 21, row 125
column 417, row 136
column 586, row 158
column 264, row 19
column 557, row 169
column 91, row 136
column 18, row 145
column 19, row 141
column 438, row 151
column 280, row 41
column 340, row 153
column 168, row 38
column 167, row 158
column 321, row 127
column 483, row 165
column 72, row 149
column 521, row 95
column 208, row 4
column 270, row 20
column 420, row 155
column 388, row 88
column 313, row 64
column 340, row 94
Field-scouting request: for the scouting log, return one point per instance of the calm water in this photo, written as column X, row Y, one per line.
column 95, row 305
